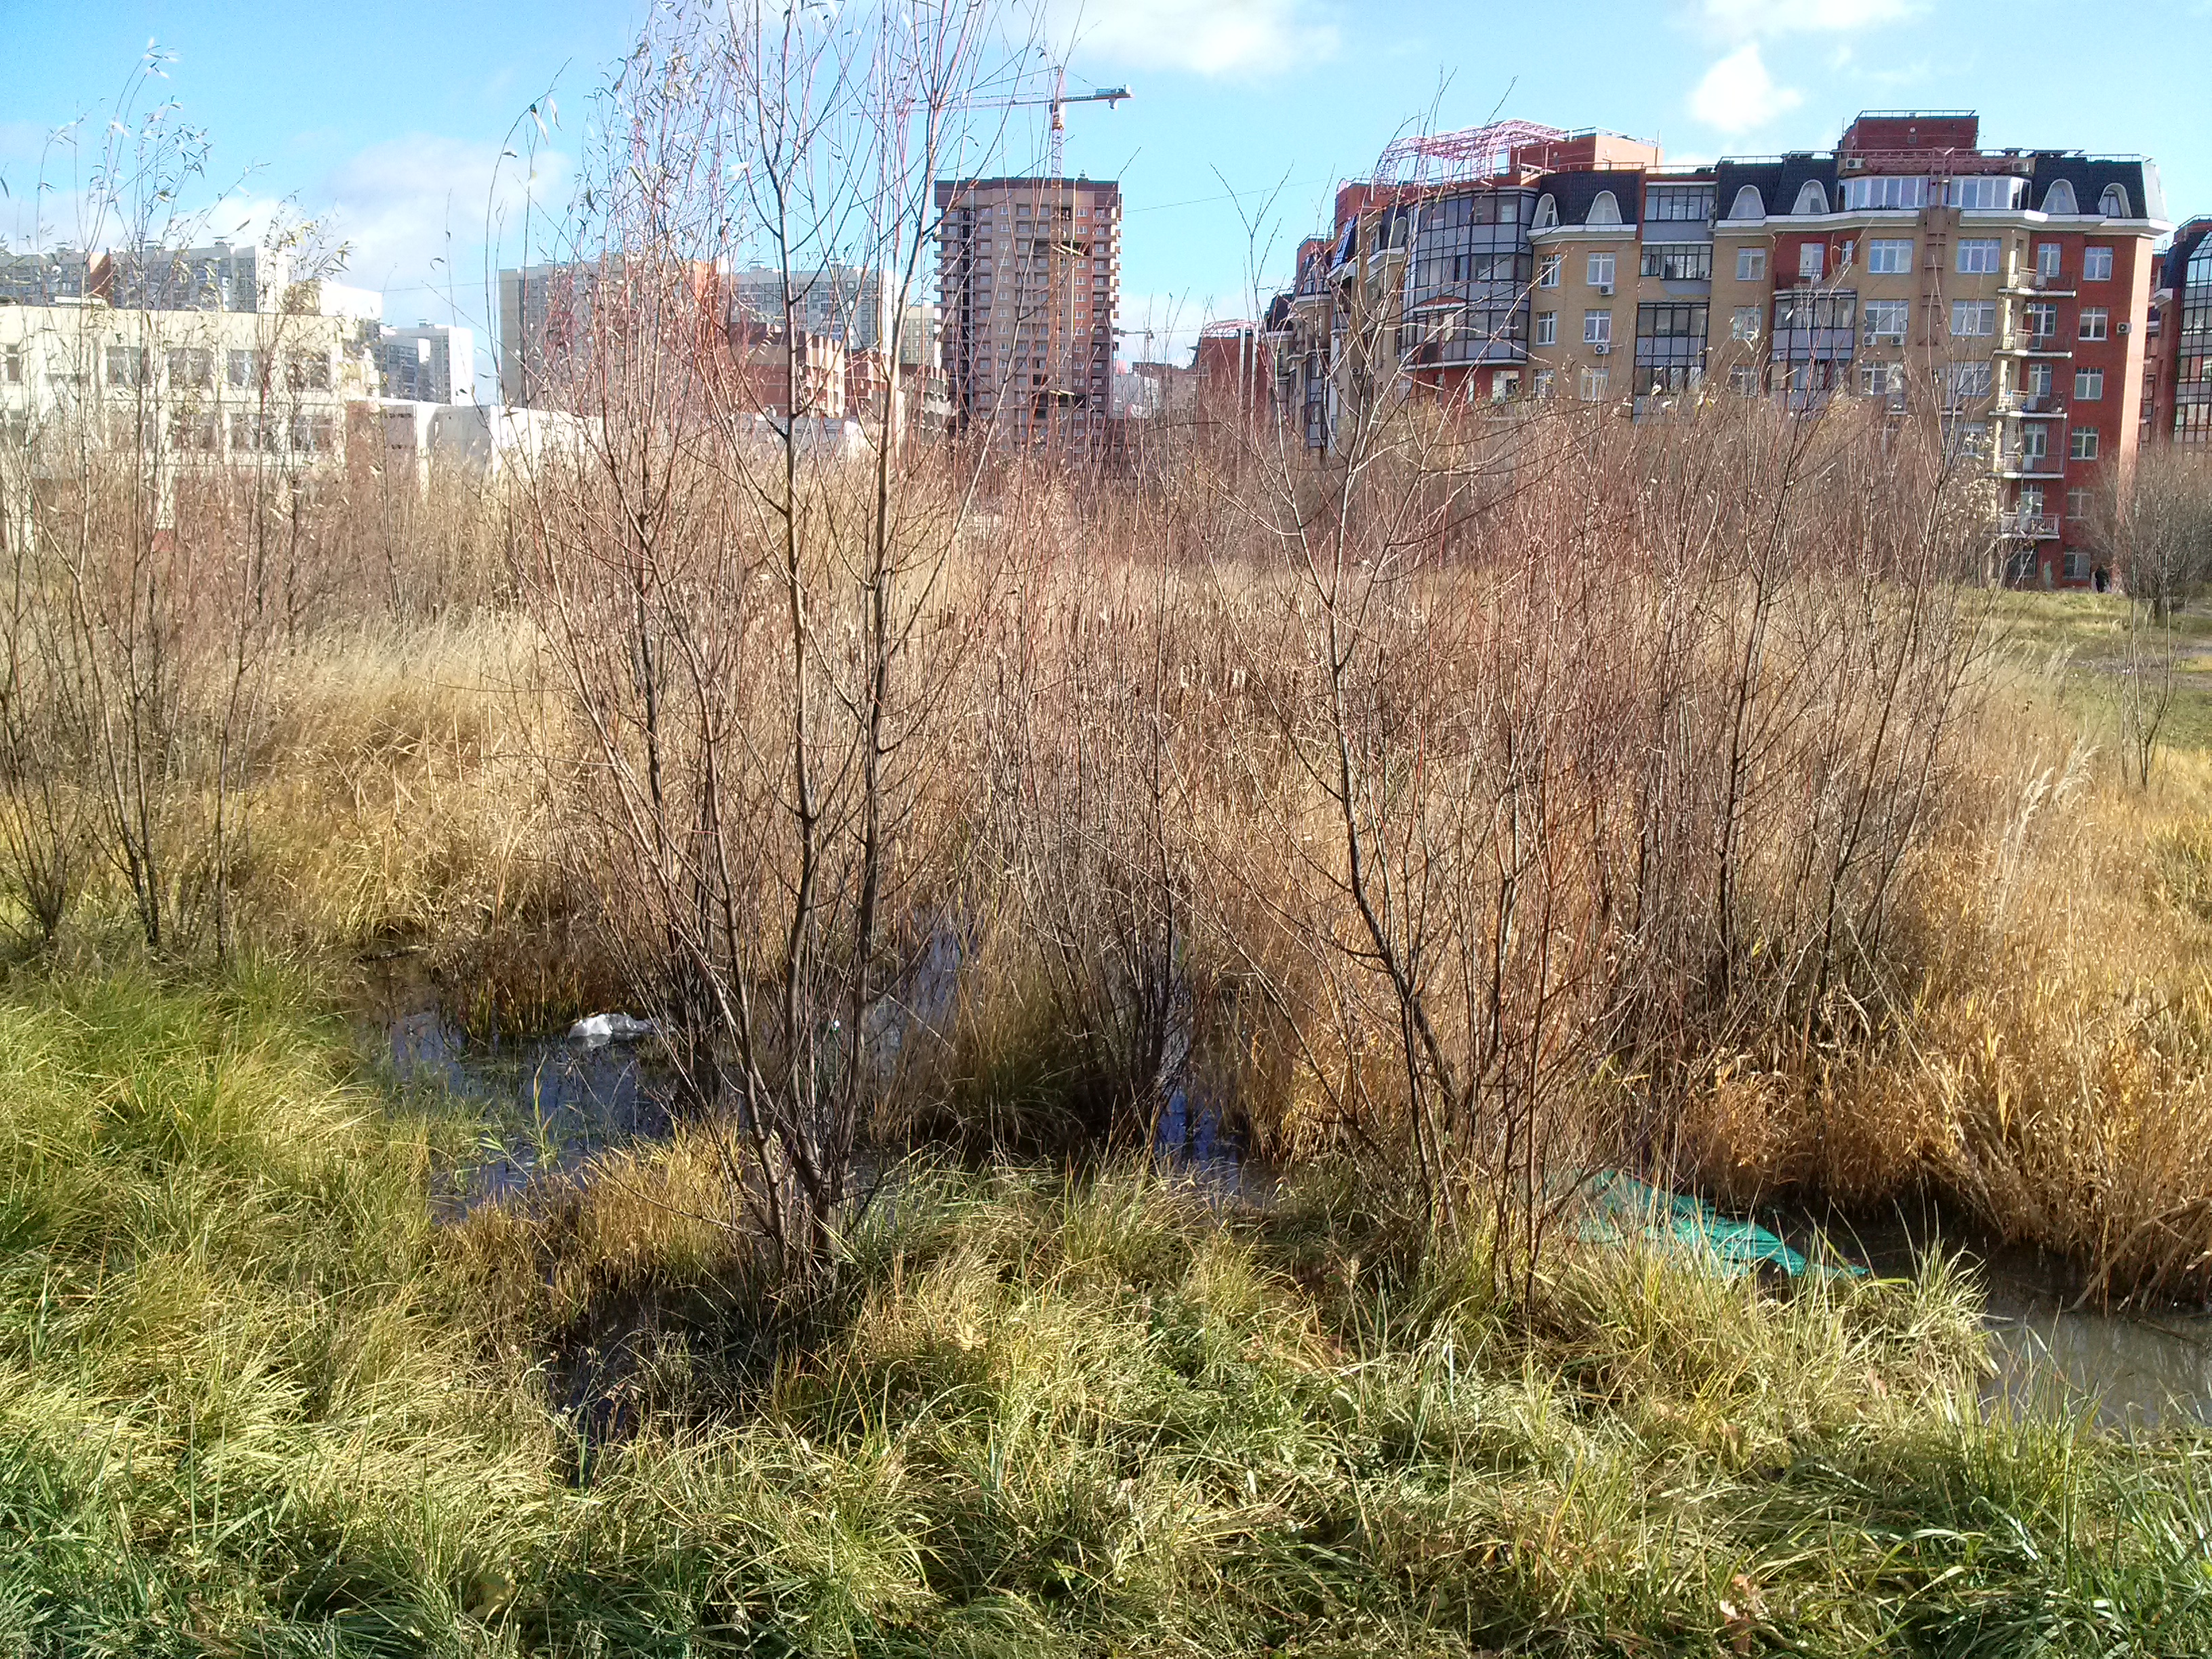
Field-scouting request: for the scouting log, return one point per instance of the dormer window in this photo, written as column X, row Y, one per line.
column 1547, row 212
column 2059, row 198
column 2113, row 204
column 1604, row 211
column 1811, row 198
column 1748, row 205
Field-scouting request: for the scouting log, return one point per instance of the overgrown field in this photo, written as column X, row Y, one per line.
column 252, row 1400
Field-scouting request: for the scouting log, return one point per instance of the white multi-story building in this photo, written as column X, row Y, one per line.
column 180, row 386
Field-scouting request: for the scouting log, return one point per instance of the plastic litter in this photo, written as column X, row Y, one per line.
column 1619, row 1201
column 597, row 1030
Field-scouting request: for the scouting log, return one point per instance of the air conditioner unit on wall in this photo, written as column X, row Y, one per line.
column 1606, row 289
column 1602, row 348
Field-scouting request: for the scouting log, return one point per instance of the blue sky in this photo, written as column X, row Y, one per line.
column 388, row 118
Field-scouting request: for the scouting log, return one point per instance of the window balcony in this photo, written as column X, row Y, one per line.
column 2031, row 467
column 2036, row 286
column 2028, row 526
column 2037, row 406
column 2019, row 342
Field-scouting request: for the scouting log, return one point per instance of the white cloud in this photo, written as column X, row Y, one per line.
column 1739, row 95
column 1738, row 20
column 418, row 212
column 1209, row 37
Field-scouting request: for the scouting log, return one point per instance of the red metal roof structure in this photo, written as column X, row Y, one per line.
column 1443, row 158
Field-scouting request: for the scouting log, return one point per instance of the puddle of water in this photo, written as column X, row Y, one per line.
column 546, row 1105
column 2129, row 1373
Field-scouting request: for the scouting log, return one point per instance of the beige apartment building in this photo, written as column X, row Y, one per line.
column 2009, row 289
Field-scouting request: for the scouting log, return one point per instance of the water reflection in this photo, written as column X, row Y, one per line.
column 546, row 1104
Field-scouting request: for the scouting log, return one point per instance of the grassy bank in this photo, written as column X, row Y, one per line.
column 254, row 1401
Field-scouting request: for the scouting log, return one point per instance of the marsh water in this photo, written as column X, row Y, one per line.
column 2128, row 1370
column 545, row 1104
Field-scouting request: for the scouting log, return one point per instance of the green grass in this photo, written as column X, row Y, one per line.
column 251, row 1400
column 2080, row 640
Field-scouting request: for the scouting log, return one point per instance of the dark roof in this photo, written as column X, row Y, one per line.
column 1574, row 193
column 2090, row 175
column 1777, row 182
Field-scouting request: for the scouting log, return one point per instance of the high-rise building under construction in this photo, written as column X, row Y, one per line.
column 1029, row 278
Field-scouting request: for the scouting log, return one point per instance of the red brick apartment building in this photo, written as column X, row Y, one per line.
column 2014, row 286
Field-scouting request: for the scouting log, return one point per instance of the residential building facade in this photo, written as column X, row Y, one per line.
column 1029, row 277
column 2011, row 286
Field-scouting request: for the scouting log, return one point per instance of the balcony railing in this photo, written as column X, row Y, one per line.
column 2031, row 281
column 2020, row 343
column 2028, row 526
column 2040, row 404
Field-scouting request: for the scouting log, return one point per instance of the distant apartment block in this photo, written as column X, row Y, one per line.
column 843, row 303
column 1030, row 278
column 1517, row 261
column 427, row 363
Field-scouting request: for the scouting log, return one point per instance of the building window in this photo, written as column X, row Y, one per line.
column 192, row 368
column 2034, row 443
column 1604, row 211
column 1743, row 378
column 1506, row 383
column 1547, row 379
column 1750, row 262
column 2035, row 379
column 1971, row 317
column 127, row 366
column 1811, row 260
column 2077, row 503
column 2095, row 320
column 1966, row 382
column 1811, row 198
column 1743, row 322
column 2041, row 318
column 1678, row 262
column 1547, row 274
column 1597, row 328
column 1886, row 256
column 1594, row 383
column 1987, row 192
column 1547, row 328
column 2096, row 265
column 1600, row 271
column 2113, row 204
column 1887, row 192
column 2046, row 259
column 1886, row 321
column 2083, row 444
column 2088, row 385
column 1679, row 202
column 1748, row 203
column 1878, row 379
column 244, row 368
column 2059, row 198
column 11, row 365
column 1977, row 255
